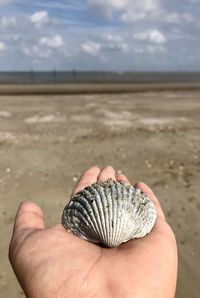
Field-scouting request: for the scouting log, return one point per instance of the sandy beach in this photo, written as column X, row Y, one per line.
column 47, row 141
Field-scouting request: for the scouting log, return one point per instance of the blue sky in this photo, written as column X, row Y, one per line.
column 116, row 35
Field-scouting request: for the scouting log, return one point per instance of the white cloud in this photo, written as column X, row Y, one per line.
column 140, row 10
column 124, row 47
column 131, row 16
column 59, row 5
column 115, row 42
column 107, row 7
column 149, row 49
column 4, row 2
column 130, row 10
column 153, row 36
column 157, row 37
column 39, row 18
column 7, row 21
column 2, row 46
column 53, row 42
column 173, row 18
column 26, row 51
column 14, row 38
column 29, row 51
column 44, row 48
column 178, row 18
column 115, row 4
column 36, row 51
column 91, row 48
column 112, row 38
column 157, row 30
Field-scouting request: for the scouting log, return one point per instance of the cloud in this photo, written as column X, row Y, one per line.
column 128, row 10
column 153, row 36
column 149, row 49
column 112, row 38
column 140, row 10
column 178, row 18
column 39, row 18
column 29, row 51
column 55, row 41
column 88, row 34
column 4, row 2
column 114, row 4
column 14, row 38
column 36, row 51
column 107, row 7
column 44, row 48
column 58, row 5
column 115, row 43
column 90, row 47
column 7, row 21
column 2, row 46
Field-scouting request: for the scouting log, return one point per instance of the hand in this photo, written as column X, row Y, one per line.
column 50, row 262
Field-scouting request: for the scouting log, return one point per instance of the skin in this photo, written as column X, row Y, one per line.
column 51, row 262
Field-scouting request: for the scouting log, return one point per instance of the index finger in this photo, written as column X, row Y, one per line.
column 89, row 177
column 148, row 191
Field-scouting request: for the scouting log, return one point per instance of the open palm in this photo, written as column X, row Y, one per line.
column 50, row 262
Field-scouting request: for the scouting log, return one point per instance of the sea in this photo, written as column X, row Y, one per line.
column 64, row 77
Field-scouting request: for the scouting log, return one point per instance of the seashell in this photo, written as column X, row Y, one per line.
column 110, row 213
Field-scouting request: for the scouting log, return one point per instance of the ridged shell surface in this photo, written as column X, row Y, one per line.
column 109, row 213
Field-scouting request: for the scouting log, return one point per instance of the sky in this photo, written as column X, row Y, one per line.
column 118, row 35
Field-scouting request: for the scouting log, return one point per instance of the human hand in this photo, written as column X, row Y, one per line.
column 50, row 262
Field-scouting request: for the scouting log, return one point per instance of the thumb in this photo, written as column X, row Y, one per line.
column 29, row 216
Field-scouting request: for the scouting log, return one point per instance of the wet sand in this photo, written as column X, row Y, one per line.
column 98, row 88
column 46, row 142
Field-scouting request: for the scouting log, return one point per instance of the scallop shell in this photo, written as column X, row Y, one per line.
column 109, row 213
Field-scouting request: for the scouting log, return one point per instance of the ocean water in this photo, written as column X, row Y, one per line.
column 96, row 77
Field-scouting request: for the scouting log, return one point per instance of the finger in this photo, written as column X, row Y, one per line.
column 107, row 173
column 148, row 191
column 29, row 216
column 88, row 178
column 123, row 179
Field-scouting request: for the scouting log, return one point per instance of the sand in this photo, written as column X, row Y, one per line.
column 100, row 88
column 46, row 142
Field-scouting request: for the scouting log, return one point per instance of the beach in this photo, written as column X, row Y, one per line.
column 47, row 141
